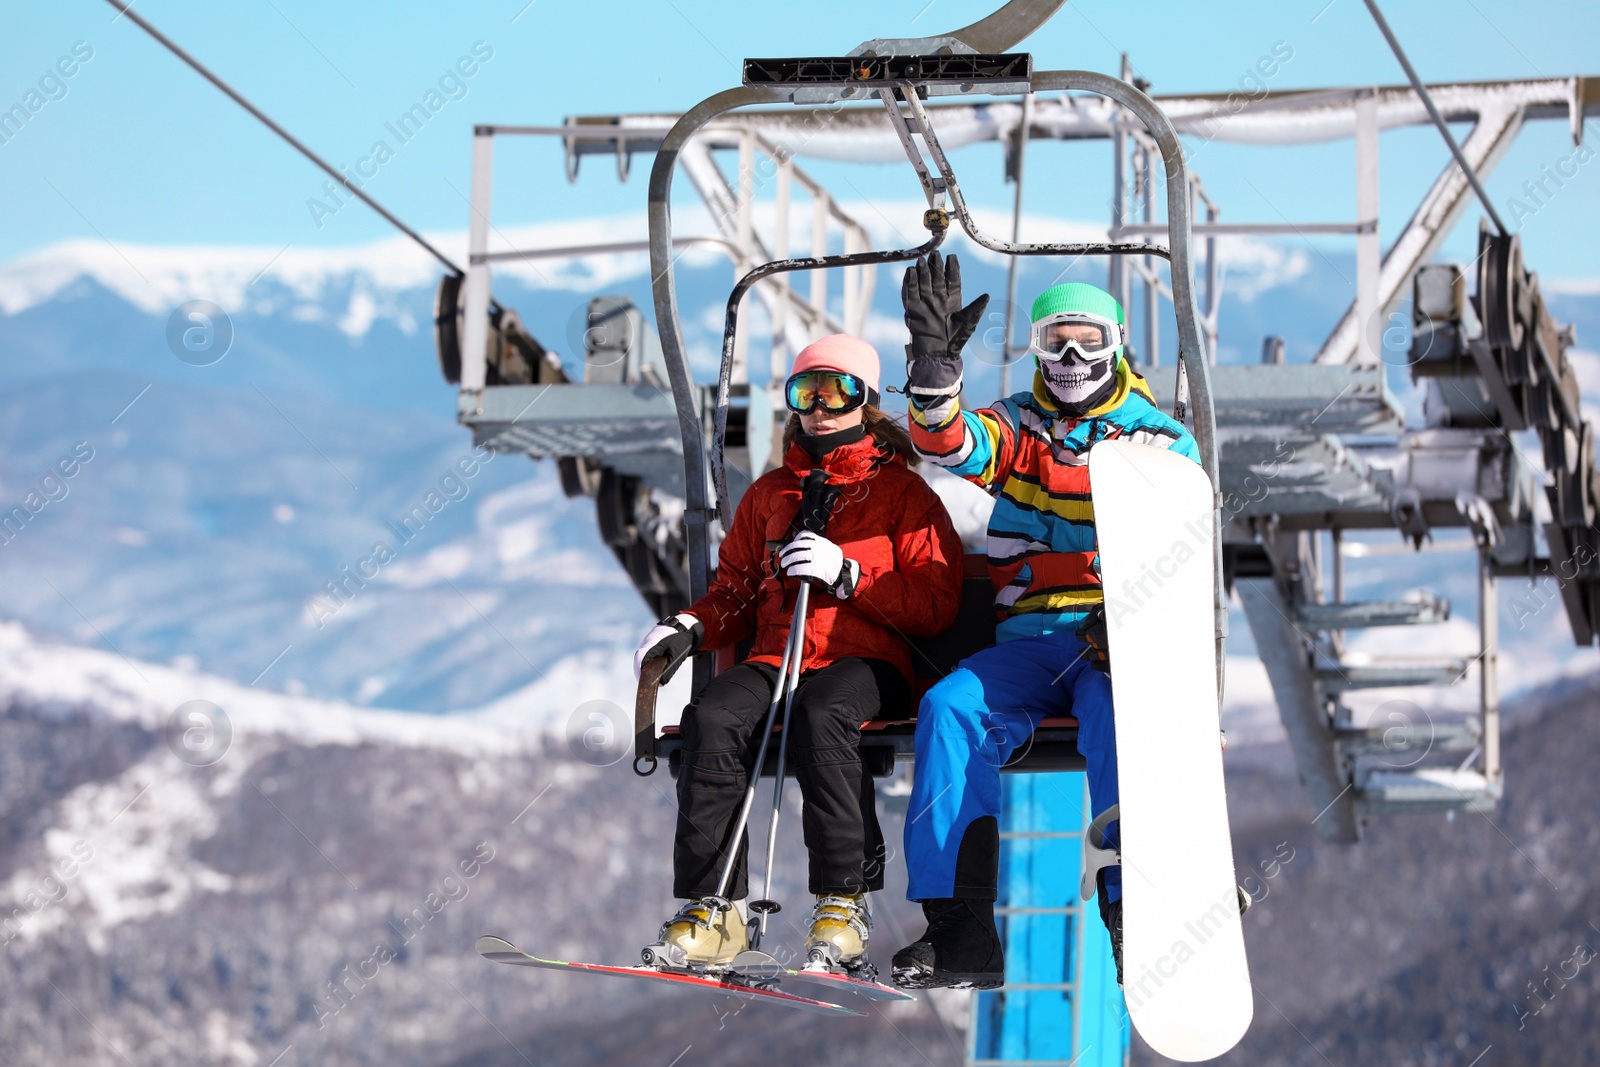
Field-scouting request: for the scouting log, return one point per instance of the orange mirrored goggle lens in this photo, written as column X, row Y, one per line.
column 831, row 390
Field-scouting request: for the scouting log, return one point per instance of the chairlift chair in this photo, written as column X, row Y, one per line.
column 899, row 74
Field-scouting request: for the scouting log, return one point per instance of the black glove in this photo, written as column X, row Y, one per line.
column 939, row 325
column 1093, row 633
column 675, row 639
column 817, row 498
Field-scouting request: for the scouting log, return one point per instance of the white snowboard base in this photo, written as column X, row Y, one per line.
column 1185, row 977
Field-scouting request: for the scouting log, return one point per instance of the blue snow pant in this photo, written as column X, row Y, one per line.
column 969, row 725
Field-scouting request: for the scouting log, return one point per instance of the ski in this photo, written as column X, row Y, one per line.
column 759, row 965
column 859, row 986
column 499, row 950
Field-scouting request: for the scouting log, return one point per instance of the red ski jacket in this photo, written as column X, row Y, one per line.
column 887, row 519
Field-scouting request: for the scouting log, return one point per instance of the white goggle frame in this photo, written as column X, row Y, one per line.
column 1111, row 332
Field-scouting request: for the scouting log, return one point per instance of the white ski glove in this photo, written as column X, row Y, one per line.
column 676, row 638
column 814, row 557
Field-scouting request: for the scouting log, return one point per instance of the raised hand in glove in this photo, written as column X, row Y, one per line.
column 939, row 325
column 1093, row 632
column 814, row 557
column 676, row 637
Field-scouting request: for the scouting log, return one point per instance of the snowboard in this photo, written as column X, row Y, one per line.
column 1185, row 978
column 753, row 964
column 499, row 950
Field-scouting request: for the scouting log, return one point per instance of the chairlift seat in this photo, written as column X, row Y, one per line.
column 885, row 742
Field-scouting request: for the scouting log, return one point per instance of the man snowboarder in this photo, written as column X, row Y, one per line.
column 1030, row 451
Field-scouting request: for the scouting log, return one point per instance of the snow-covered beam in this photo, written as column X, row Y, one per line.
column 1426, row 230
column 863, row 133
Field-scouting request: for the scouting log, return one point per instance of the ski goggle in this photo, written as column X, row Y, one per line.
column 1093, row 338
column 834, row 391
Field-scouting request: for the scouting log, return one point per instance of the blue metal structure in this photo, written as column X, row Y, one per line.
column 1060, row 1004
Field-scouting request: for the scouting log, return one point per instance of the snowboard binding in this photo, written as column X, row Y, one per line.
column 1096, row 858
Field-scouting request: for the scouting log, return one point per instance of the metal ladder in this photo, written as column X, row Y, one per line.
column 1060, row 1006
column 1383, row 761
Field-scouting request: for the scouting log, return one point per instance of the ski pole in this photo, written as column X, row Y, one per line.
column 761, row 756
column 797, row 641
column 816, row 501
column 816, row 504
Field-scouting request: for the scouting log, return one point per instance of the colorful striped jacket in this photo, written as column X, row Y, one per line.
column 1042, row 548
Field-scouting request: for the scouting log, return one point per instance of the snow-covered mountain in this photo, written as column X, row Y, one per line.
column 195, row 872
column 214, row 875
column 217, row 513
column 310, row 894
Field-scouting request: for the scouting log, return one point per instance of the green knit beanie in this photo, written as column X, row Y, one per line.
column 1076, row 296
column 1079, row 296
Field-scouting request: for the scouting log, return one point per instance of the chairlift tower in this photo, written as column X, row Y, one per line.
column 1311, row 456
column 1490, row 363
column 1301, row 454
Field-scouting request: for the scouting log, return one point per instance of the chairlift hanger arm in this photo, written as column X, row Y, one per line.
column 1009, row 26
column 996, row 32
column 200, row 68
column 933, row 188
column 947, row 173
column 938, row 221
column 664, row 294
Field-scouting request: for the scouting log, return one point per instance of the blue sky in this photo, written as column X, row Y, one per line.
column 139, row 149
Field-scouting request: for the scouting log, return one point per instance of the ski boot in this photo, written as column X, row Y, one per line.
column 705, row 935
column 961, row 949
column 840, row 925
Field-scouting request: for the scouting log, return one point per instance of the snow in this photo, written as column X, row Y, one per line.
column 1249, row 710
column 354, row 287
column 156, row 278
column 125, row 849
column 295, row 281
column 1571, row 286
column 67, row 678
column 138, row 864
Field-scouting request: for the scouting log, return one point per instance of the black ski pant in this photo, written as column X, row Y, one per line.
column 721, row 737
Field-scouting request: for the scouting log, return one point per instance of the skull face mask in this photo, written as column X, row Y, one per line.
column 1078, row 385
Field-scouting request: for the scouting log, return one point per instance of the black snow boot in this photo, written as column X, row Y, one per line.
column 961, row 949
column 1111, row 915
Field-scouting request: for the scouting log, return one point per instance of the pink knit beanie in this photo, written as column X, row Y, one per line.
column 840, row 352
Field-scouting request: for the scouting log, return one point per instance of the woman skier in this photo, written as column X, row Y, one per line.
column 1031, row 452
column 889, row 567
